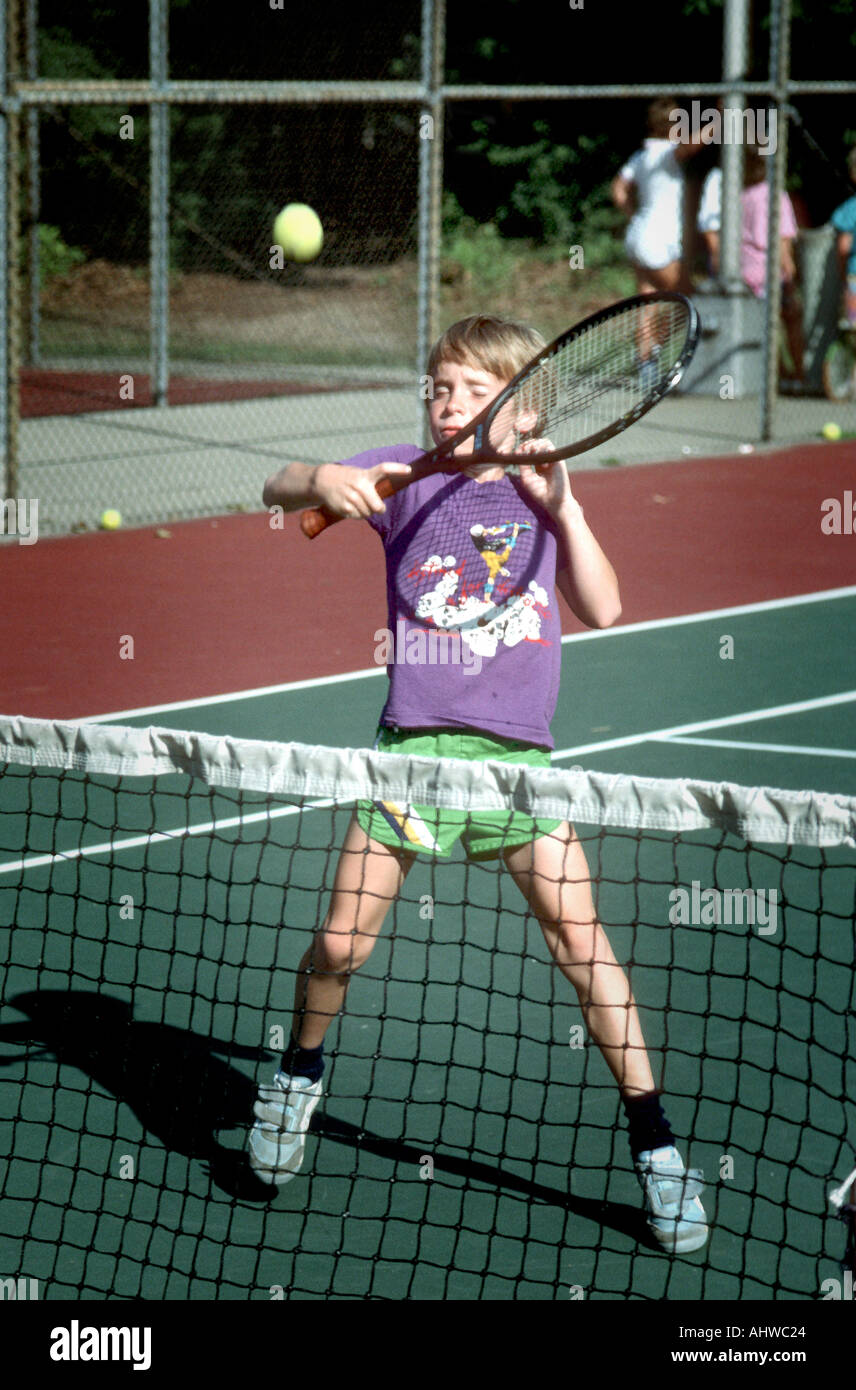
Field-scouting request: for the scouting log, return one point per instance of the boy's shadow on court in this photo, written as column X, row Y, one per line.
column 183, row 1089
column 617, row 1216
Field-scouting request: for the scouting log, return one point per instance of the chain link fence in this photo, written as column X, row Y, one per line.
column 164, row 363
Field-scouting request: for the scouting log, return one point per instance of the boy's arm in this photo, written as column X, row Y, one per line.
column 623, row 194
column 585, row 578
column 349, row 492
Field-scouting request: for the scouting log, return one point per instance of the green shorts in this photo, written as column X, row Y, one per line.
column 436, row 830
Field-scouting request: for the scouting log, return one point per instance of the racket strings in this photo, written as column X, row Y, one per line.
column 594, row 378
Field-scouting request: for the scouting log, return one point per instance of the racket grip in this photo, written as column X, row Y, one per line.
column 316, row 519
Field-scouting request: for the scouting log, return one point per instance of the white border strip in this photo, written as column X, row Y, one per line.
column 41, row 861
column 280, row 770
column 764, row 606
column 795, row 748
column 746, row 717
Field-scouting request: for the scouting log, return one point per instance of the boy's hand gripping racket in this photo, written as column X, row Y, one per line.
column 590, row 384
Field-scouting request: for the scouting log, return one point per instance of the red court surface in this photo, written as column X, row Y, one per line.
column 231, row 604
column 73, row 393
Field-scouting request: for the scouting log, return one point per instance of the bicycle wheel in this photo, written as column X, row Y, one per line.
column 839, row 371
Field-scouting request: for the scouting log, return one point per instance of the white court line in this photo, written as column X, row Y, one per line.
column 40, row 861
column 766, row 606
column 747, row 717
column 763, row 747
column 258, row 691
column 316, row 683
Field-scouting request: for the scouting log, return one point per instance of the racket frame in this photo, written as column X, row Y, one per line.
column 478, row 429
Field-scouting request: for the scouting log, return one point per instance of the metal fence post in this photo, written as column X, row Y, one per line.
column 159, row 208
column 10, row 384
column 779, row 72
column 734, row 50
column 431, row 124
column 34, row 267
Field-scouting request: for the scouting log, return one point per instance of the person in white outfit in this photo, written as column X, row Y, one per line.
column 650, row 190
column 710, row 217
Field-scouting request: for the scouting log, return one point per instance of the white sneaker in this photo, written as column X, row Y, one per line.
column 278, row 1137
column 676, row 1217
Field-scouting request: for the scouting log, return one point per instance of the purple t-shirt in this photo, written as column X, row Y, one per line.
column 474, row 634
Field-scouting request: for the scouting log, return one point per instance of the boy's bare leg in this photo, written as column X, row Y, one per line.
column 553, row 876
column 369, row 877
column 671, row 277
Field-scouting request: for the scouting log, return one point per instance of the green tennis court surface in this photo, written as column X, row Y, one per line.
column 466, row 1148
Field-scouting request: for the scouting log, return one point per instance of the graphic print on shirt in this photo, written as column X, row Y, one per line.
column 476, row 596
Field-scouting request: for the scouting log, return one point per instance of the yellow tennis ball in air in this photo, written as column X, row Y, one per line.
column 298, row 231
column 831, row 430
column 111, row 520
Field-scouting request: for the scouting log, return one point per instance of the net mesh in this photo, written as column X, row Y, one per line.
column 157, row 892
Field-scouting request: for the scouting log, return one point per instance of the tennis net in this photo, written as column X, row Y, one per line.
column 157, row 891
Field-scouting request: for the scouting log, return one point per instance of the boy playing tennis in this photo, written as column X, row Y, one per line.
column 477, row 554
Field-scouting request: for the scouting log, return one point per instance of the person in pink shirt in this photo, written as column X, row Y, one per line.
column 753, row 254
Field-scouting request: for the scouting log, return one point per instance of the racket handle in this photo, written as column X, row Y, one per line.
column 316, row 519
column 386, row 487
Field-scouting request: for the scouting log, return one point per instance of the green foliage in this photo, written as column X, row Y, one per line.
column 61, row 57
column 406, row 67
column 55, row 258
column 545, row 187
column 600, row 232
column 533, row 174
column 475, row 251
column 94, row 186
column 555, row 197
column 486, row 261
column 488, row 48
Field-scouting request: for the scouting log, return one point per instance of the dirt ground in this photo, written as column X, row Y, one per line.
column 360, row 313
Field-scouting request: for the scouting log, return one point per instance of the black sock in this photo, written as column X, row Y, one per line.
column 649, row 1128
column 303, row 1061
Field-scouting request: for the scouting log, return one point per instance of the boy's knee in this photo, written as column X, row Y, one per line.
column 579, row 942
column 339, row 952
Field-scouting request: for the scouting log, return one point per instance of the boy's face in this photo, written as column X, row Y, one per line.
column 461, row 392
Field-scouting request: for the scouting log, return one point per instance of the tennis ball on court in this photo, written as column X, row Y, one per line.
column 831, row 430
column 111, row 520
column 298, row 231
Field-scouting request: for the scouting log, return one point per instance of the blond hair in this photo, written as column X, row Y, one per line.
column 494, row 345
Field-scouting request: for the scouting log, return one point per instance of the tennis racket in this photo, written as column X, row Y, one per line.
column 590, row 384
